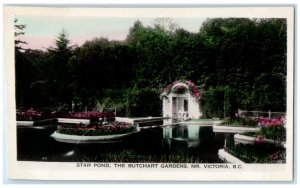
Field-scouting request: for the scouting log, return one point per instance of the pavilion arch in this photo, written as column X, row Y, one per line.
column 180, row 106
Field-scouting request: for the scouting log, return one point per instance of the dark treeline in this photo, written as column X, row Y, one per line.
column 237, row 63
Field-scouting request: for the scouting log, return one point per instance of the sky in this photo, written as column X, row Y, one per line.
column 41, row 31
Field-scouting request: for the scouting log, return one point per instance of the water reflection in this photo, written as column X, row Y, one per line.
column 198, row 142
column 194, row 134
column 192, row 140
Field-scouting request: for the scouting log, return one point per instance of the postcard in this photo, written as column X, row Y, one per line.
column 149, row 93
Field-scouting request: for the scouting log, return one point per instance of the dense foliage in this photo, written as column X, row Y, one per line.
column 236, row 62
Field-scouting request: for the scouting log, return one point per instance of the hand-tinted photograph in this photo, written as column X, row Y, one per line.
column 151, row 89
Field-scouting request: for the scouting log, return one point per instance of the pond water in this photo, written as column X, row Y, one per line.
column 177, row 143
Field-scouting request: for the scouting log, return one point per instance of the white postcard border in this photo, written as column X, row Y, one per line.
column 69, row 171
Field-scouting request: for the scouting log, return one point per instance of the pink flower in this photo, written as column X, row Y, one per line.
column 270, row 122
column 191, row 87
column 259, row 140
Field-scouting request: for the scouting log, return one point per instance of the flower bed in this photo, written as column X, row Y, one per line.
column 267, row 122
column 35, row 115
column 254, row 122
column 271, row 131
column 260, row 152
column 277, row 133
column 90, row 115
column 264, row 146
column 96, row 130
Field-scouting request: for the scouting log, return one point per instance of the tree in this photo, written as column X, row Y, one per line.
column 19, row 31
column 243, row 50
column 235, row 61
column 58, row 71
column 24, row 69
